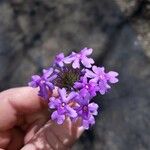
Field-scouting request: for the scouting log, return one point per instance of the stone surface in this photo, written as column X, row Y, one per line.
column 142, row 28
column 33, row 31
column 137, row 12
column 127, row 6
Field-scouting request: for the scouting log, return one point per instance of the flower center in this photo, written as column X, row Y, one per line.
column 67, row 77
column 63, row 104
column 85, row 108
column 101, row 76
column 42, row 81
column 87, row 87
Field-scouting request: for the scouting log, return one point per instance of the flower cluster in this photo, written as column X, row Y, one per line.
column 77, row 80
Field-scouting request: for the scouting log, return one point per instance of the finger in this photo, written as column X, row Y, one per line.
column 35, row 122
column 68, row 132
column 16, row 139
column 11, row 139
column 17, row 101
column 54, row 136
column 45, row 140
column 5, row 138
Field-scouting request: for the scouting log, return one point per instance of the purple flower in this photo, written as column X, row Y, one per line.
column 111, row 76
column 76, row 84
column 99, row 76
column 76, row 58
column 86, row 111
column 86, row 88
column 59, row 60
column 103, row 87
column 62, row 106
column 44, row 82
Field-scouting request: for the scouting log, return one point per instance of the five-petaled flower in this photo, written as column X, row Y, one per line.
column 62, row 105
column 87, row 88
column 76, row 58
column 86, row 111
column 44, row 82
column 99, row 76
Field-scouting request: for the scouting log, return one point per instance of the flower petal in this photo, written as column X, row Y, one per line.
column 87, row 51
column 62, row 93
column 84, row 93
column 94, row 80
column 71, row 96
column 59, row 56
column 61, row 64
column 78, row 85
column 103, row 87
column 98, row 70
column 93, row 108
column 49, row 85
column 68, row 59
column 82, row 101
column 54, row 103
column 89, row 73
column 111, row 76
column 58, row 118
column 87, row 62
column 47, row 72
column 52, row 77
column 36, row 77
column 85, row 124
column 33, row 84
column 76, row 63
column 43, row 92
column 71, row 112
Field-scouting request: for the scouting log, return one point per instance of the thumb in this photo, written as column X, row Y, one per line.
column 55, row 137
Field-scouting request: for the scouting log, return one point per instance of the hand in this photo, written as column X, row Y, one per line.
column 25, row 123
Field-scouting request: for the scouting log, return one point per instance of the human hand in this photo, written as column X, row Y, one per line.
column 25, row 124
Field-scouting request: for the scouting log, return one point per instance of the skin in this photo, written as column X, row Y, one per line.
column 25, row 123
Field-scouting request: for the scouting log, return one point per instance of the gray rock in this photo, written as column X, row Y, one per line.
column 32, row 32
column 23, row 73
column 138, row 14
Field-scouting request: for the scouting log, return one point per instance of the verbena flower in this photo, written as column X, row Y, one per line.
column 62, row 105
column 77, row 81
column 76, row 58
column 86, row 111
column 44, row 82
column 86, row 88
column 99, row 76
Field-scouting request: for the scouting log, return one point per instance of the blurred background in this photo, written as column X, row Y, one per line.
column 33, row 31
